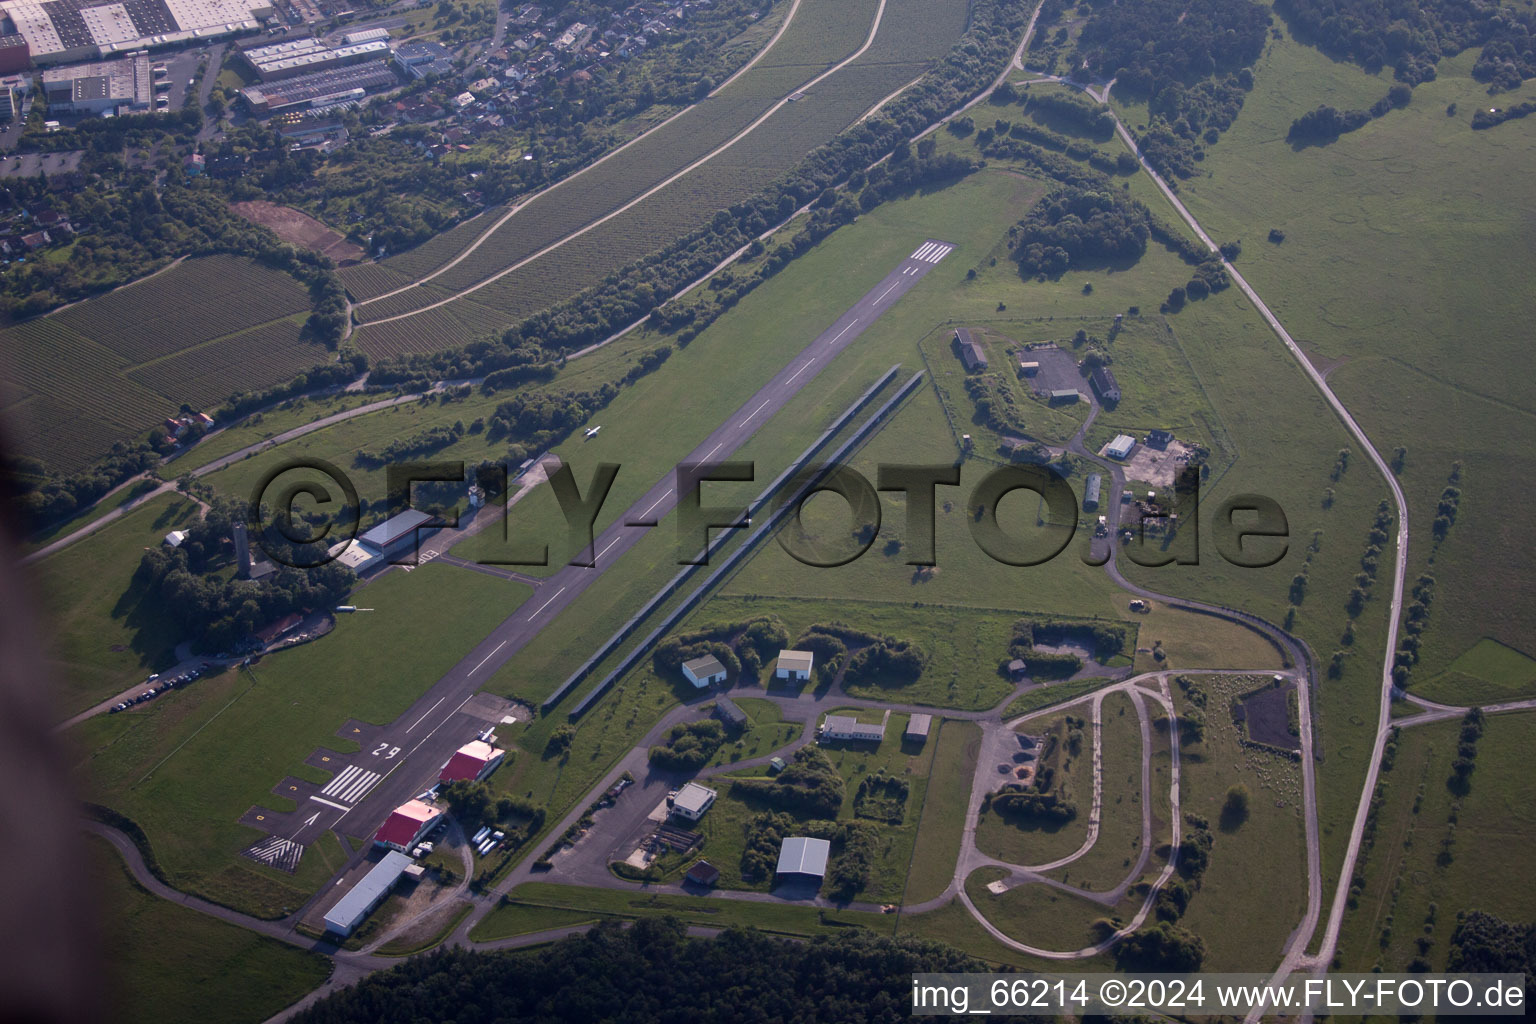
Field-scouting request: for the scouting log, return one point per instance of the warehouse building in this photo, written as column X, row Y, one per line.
column 804, row 857
column 365, row 35
column 64, row 30
column 692, row 801
column 418, row 60
column 320, row 89
column 703, row 671
column 406, row 825
column 918, row 727
column 846, row 727
column 472, row 762
column 1120, row 447
column 353, row 908
column 102, row 87
column 295, row 57
column 795, row 665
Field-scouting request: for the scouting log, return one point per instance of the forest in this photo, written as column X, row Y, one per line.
column 1075, row 227
column 1412, row 37
column 650, row 973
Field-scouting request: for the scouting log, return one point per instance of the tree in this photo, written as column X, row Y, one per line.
column 1235, row 810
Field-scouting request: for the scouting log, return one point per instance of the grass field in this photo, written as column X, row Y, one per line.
column 949, row 789
column 1245, row 908
column 1486, row 672
column 110, row 368
column 154, row 764
column 1043, row 916
column 103, row 637
column 1114, row 852
column 1191, row 640
column 167, row 963
column 1488, row 864
column 539, row 905
column 952, row 923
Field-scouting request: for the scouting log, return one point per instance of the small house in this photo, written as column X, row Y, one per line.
column 692, row 801
column 1103, row 380
column 971, row 354
column 846, row 727
column 1120, row 447
column 1159, row 439
column 701, row 672
column 730, row 714
column 703, row 873
column 918, row 727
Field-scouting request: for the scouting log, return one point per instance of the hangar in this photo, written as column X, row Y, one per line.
column 805, row 857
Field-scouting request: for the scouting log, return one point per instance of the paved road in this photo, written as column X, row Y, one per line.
column 421, row 738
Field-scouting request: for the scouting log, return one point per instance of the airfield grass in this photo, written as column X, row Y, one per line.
column 720, row 912
column 934, row 854
column 263, row 426
column 186, row 768
column 1052, row 693
column 1042, row 915
column 1489, row 864
column 953, row 923
column 169, row 963
column 1107, row 862
column 104, row 636
column 1244, row 910
column 1485, row 673
column 1027, row 843
column 1191, row 640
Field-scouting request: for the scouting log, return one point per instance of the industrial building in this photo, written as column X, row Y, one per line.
column 692, row 801
column 406, row 825
column 365, row 35
column 795, row 665
column 418, row 60
column 971, row 354
column 102, row 87
column 1120, row 447
column 15, row 54
column 703, row 671
column 1091, row 495
column 846, row 727
column 804, row 856
column 294, row 57
column 918, row 727
column 66, row 30
column 472, row 762
column 353, row 908
column 320, row 89
column 381, row 545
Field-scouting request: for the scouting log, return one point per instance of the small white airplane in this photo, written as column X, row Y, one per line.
column 593, row 432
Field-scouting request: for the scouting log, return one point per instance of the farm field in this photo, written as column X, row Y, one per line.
column 110, row 368
column 170, row 964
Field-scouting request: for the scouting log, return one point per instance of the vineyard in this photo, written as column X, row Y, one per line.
column 369, row 279
column 80, row 389
column 196, row 301
column 209, row 374
column 822, row 34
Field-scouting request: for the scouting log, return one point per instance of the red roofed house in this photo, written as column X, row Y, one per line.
column 405, row 827
column 472, row 762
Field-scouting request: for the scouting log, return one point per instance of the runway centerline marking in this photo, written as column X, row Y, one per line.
column 431, row 709
column 535, row 615
column 499, row 646
column 798, row 372
column 887, row 291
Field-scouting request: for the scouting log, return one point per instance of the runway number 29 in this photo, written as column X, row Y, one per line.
column 392, row 751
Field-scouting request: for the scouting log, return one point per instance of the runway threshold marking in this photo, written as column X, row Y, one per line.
column 330, row 803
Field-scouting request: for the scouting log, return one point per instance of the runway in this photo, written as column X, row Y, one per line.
column 400, row 760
